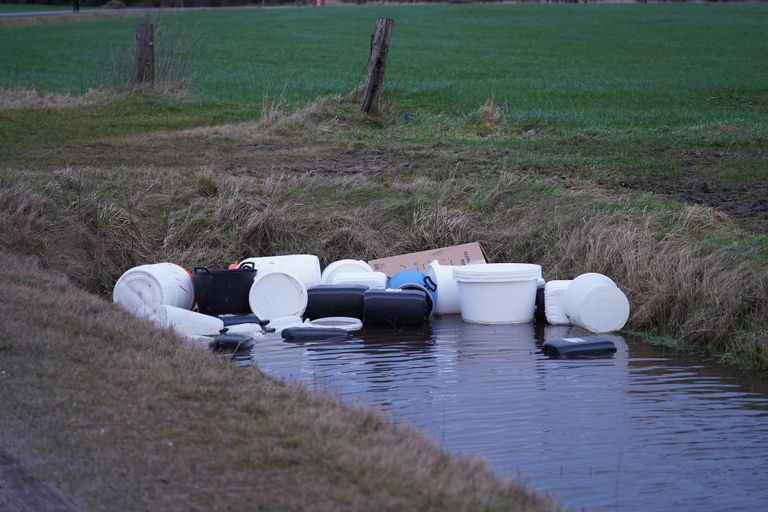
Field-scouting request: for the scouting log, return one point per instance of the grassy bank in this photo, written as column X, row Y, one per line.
column 329, row 181
column 133, row 418
column 629, row 140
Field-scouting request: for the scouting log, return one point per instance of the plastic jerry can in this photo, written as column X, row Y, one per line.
column 588, row 346
column 335, row 300
column 395, row 308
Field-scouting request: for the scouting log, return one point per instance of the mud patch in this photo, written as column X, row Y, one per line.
column 19, row 492
column 746, row 203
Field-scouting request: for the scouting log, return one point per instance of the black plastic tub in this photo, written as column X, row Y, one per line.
column 223, row 292
column 395, row 308
column 335, row 300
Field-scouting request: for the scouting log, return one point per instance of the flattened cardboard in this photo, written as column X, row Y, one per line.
column 465, row 254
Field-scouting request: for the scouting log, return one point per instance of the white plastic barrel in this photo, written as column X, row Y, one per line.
column 497, row 293
column 554, row 309
column 594, row 302
column 370, row 279
column 277, row 294
column 447, row 288
column 144, row 288
column 304, row 266
column 343, row 267
column 185, row 322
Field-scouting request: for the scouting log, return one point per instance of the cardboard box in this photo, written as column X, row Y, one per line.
column 464, row 254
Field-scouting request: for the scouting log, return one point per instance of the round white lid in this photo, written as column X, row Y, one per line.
column 604, row 309
column 339, row 322
column 277, row 294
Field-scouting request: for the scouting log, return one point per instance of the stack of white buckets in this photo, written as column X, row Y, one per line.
column 505, row 293
column 493, row 293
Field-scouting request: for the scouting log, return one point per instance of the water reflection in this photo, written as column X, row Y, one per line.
column 644, row 429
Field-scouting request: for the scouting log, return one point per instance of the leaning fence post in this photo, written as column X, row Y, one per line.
column 144, row 71
column 377, row 64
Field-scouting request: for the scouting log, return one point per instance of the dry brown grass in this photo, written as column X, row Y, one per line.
column 121, row 415
column 32, row 98
column 706, row 296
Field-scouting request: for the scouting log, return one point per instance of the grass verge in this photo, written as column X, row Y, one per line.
column 120, row 415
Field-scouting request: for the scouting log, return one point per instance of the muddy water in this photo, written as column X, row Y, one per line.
column 646, row 429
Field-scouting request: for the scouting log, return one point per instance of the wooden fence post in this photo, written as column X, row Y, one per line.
column 144, row 71
column 377, row 64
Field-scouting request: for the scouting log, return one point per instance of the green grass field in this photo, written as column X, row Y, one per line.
column 596, row 66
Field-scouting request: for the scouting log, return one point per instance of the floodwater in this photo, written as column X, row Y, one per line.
column 646, row 429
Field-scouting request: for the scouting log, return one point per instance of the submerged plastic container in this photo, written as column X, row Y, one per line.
column 277, row 294
column 221, row 292
column 594, row 302
column 285, row 322
column 343, row 267
column 447, row 294
column 497, row 293
column 335, row 300
column 370, row 279
column 395, row 308
column 304, row 266
column 588, row 346
column 412, row 279
column 554, row 309
column 313, row 334
column 186, row 322
column 142, row 289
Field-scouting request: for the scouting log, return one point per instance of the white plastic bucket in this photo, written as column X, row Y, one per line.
column 370, row 279
column 146, row 287
column 304, row 266
column 185, row 322
column 343, row 267
column 277, row 294
column 497, row 293
column 554, row 309
column 594, row 302
column 447, row 288
column 338, row 322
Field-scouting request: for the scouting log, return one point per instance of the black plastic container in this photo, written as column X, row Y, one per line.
column 223, row 292
column 540, row 312
column 230, row 320
column 230, row 342
column 395, row 308
column 313, row 334
column 335, row 300
column 588, row 346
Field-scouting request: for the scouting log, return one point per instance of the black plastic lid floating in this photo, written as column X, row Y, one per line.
column 588, row 346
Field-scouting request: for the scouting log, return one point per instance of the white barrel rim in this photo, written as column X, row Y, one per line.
column 497, row 272
column 339, row 267
column 347, row 323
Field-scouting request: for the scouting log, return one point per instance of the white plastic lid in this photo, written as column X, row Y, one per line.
column 338, row 322
column 497, row 272
column 604, row 309
column 277, row 294
column 343, row 267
